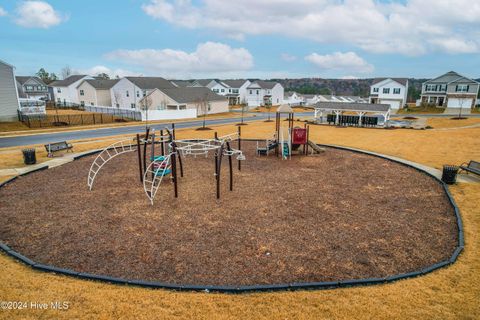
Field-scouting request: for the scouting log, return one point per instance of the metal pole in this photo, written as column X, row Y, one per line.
column 239, row 146
column 145, row 150
column 139, row 158
column 163, row 143
column 230, row 165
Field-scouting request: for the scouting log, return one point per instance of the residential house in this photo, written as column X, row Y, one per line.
column 128, row 91
column 260, row 93
column 176, row 103
column 32, row 88
column 65, row 91
column 181, row 83
column 452, row 91
column 392, row 91
column 9, row 104
column 236, row 91
column 293, row 99
column 96, row 92
column 218, row 87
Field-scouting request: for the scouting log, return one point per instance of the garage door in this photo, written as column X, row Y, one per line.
column 459, row 103
column 394, row 104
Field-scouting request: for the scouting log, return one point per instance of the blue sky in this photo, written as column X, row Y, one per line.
column 215, row 38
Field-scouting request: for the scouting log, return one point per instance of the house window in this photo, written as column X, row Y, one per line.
column 461, row 88
column 251, row 91
column 128, row 94
column 223, row 90
column 182, row 107
column 229, row 90
column 144, row 93
column 118, row 105
column 138, row 94
column 59, row 90
column 92, row 104
column 258, row 91
column 44, row 88
column 396, row 91
column 375, row 90
column 39, row 88
column 82, row 93
column 431, row 88
column 29, row 88
column 82, row 103
column 132, row 105
column 386, row 90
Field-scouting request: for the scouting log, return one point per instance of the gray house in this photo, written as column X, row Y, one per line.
column 32, row 88
column 8, row 93
column 452, row 91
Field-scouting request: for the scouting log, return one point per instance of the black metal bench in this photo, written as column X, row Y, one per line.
column 472, row 166
column 58, row 146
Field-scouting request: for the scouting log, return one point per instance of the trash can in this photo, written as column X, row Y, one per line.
column 449, row 174
column 29, row 156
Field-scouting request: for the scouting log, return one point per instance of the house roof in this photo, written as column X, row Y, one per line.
column 23, row 79
column 102, row 84
column 402, row 81
column 234, row 83
column 203, row 82
column 449, row 77
column 68, row 81
column 192, row 94
column 367, row 107
column 181, row 83
column 262, row 84
column 151, row 82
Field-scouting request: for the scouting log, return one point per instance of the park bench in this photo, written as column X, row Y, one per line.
column 472, row 166
column 58, row 146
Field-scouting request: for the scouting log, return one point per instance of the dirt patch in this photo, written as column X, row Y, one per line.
column 339, row 215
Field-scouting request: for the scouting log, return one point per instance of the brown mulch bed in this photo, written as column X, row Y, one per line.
column 338, row 215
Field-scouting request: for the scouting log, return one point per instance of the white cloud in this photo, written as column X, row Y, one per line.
column 96, row 70
column 3, row 12
column 410, row 27
column 288, row 57
column 209, row 58
column 348, row 61
column 38, row 14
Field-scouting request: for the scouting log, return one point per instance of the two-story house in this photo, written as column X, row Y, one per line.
column 128, row 91
column 96, row 92
column 261, row 93
column 9, row 104
column 452, row 91
column 293, row 99
column 391, row 91
column 236, row 90
column 32, row 88
column 65, row 91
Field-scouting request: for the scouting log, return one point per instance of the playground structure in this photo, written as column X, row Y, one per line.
column 288, row 139
column 164, row 163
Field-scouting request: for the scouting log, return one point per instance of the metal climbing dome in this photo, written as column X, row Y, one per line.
column 110, row 152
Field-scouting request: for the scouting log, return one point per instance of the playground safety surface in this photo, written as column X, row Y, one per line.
column 334, row 216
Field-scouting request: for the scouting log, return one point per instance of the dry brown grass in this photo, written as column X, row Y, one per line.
column 66, row 112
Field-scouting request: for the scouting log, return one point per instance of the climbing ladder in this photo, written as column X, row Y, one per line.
column 154, row 174
column 110, row 152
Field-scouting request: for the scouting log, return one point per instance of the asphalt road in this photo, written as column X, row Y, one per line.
column 44, row 138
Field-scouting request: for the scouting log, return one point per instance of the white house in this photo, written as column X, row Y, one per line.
column 218, row 87
column 181, row 103
column 293, row 99
column 8, row 93
column 392, row 91
column 65, row 91
column 236, row 90
column 128, row 91
column 260, row 93
column 32, row 88
column 96, row 92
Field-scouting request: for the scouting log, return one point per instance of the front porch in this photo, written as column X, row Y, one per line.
column 438, row 101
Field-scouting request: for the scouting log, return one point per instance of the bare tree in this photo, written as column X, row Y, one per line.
column 203, row 105
column 145, row 105
column 66, row 72
column 117, row 96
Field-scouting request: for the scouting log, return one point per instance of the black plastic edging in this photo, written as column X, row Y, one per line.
column 256, row 288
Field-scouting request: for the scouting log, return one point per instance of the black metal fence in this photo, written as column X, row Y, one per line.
column 345, row 120
column 43, row 121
